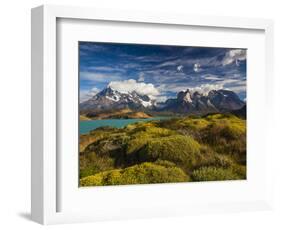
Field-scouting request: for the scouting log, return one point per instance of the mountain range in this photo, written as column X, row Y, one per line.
column 109, row 99
column 198, row 103
column 186, row 102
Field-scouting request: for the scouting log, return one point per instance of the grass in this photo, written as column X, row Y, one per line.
column 192, row 148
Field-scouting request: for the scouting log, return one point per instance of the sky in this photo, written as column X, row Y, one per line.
column 160, row 71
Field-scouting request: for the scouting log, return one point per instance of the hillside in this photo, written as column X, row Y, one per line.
column 119, row 114
column 185, row 149
column 84, row 118
column 242, row 113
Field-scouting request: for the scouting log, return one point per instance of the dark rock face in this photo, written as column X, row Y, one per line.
column 225, row 100
column 242, row 113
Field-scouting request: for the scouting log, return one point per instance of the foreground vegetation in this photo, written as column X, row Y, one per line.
column 208, row 148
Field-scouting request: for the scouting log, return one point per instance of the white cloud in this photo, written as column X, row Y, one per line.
column 176, row 88
column 141, row 77
column 236, row 88
column 196, row 67
column 235, row 85
column 186, row 61
column 132, row 85
column 235, row 55
column 230, row 81
column 237, row 62
column 99, row 77
column 106, row 69
column 206, row 88
column 84, row 95
column 211, row 77
column 87, row 94
column 173, row 87
column 161, row 98
column 94, row 91
column 92, row 47
column 180, row 68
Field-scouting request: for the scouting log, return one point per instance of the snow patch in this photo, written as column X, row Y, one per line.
column 188, row 98
column 146, row 103
column 114, row 98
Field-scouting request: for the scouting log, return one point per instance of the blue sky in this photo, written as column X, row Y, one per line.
column 160, row 71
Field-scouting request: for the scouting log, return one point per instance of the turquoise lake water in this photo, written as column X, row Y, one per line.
column 87, row 126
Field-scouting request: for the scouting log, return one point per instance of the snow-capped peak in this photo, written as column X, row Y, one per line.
column 188, row 97
column 111, row 98
column 146, row 103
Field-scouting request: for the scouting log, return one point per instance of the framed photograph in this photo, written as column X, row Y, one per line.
column 138, row 114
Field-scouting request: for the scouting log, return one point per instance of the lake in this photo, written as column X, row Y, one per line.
column 87, row 126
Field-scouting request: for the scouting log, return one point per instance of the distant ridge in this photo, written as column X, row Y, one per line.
column 186, row 102
column 214, row 101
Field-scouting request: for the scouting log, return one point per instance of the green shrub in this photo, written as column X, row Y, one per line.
column 211, row 158
column 91, row 164
column 222, row 161
column 223, row 130
column 137, row 125
column 193, row 123
column 145, row 173
column 141, row 135
column 226, row 136
column 240, row 170
column 184, row 151
column 96, row 135
column 96, row 180
column 214, row 174
column 164, row 163
column 112, row 146
column 212, row 147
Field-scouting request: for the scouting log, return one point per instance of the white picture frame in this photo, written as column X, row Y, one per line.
column 45, row 182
